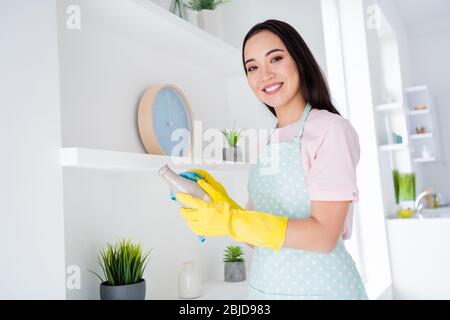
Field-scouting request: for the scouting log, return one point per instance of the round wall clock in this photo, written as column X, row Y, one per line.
column 165, row 121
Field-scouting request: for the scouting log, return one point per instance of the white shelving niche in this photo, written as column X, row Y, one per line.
column 415, row 120
column 422, row 125
column 393, row 136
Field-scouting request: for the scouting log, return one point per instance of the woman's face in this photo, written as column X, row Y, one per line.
column 271, row 71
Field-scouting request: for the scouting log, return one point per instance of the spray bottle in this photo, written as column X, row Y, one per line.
column 182, row 184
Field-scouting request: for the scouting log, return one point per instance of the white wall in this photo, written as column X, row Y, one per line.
column 429, row 51
column 395, row 20
column 31, row 226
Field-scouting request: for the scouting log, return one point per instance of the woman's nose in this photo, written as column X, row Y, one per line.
column 267, row 74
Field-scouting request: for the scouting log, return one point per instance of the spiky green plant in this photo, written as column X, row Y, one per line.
column 395, row 175
column 233, row 254
column 407, row 187
column 232, row 136
column 198, row 5
column 122, row 263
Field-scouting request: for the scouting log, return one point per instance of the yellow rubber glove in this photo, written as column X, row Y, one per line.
column 213, row 188
column 217, row 218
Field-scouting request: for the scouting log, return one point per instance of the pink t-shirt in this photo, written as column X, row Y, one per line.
column 330, row 153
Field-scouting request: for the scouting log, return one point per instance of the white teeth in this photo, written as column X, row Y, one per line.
column 272, row 88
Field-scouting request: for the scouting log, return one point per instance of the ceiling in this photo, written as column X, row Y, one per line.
column 416, row 12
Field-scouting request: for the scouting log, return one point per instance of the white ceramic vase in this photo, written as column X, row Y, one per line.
column 189, row 282
column 209, row 20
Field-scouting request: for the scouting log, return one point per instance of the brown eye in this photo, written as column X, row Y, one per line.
column 276, row 59
column 251, row 69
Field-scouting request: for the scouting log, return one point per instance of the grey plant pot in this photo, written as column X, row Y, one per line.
column 135, row 291
column 232, row 154
column 234, row 271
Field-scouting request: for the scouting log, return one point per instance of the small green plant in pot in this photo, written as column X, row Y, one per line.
column 232, row 152
column 234, row 264
column 123, row 266
column 208, row 18
column 405, row 187
column 199, row 5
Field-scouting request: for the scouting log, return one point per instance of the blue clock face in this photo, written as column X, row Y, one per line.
column 169, row 114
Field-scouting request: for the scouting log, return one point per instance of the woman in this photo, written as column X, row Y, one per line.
column 296, row 213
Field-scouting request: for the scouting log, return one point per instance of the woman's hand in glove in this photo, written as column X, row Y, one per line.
column 217, row 218
column 214, row 188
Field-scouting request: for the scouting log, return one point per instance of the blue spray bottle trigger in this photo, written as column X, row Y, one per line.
column 194, row 176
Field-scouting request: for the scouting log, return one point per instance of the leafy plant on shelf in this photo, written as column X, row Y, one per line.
column 407, row 187
column 233, row 254
column 395, row 175
column 122, row 263
column 199, row 5
column 232, row 136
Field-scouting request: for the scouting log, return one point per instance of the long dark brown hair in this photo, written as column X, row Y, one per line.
column 313, row 86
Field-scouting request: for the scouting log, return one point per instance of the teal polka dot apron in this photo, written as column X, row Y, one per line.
column 276, row 185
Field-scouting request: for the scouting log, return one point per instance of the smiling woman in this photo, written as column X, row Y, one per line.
column 289, row 57
column 299, row 209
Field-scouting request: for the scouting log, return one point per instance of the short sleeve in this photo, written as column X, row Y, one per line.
column 332, row 175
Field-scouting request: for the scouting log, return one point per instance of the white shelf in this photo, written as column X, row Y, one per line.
column 419, row 112
column 426, row 118
column 394, row 106
column 443, row 212
column 421, row 136
column 165, row 29
column 221, row 290
column 116, row 160
column 416, row 89
column 431, row 159
column 393, row 147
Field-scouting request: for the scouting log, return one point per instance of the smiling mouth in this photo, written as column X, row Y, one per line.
column 273, row 89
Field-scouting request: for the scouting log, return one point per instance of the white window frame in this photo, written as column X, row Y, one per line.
column 344, row 24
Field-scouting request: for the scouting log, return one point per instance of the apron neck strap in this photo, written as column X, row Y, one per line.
column 302, row 124
column 303, row 121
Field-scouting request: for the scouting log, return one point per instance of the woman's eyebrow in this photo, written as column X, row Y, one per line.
column 269, row 52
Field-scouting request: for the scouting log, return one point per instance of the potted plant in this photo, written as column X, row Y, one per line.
column 405, row 193
column 233, row 152
column 122, row 265
column 234, row 264
column 207, row 19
